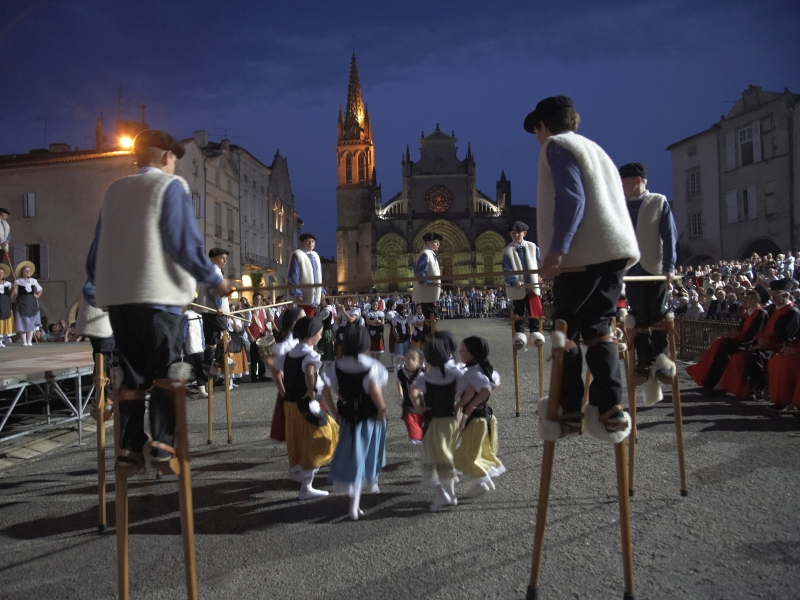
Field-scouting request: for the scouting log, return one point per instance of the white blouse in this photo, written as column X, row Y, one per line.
column 28, row 283
column 376, row 372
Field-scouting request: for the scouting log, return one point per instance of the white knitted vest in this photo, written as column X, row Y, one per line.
column 309, row 276
column 194, row 333
column 530, row 255
column 428, row 293
column 132, row 266
column 606, row 232
column 648, row 234
column 92, row 322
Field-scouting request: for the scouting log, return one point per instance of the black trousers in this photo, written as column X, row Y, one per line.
column 213, row 326
column 148, row 342
column 196, row 362
column 428, row 309
column 648, row 303
column 104, row 346
column 257, row 366
column 587, row 301
column 521, row 308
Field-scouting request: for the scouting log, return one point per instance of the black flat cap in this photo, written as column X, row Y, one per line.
column 635, row 169
column 546, row 109
column 155, row 138
column 763, row 294
column 431, row 236
column 518, row 226
column 5, row 210
column 781, row 285
column 307, row 236
column 217, row 252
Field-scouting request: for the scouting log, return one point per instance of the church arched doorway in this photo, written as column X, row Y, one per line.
column 489, row 249
column 762, row 247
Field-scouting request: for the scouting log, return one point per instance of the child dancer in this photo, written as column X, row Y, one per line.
column 361, row 451
column 284, row 341
column 375, row 324
column 346, row 315
column 402, row 331
column 476, row 457
column 391, row 313
column 311, row 434
column 325, row 347
column 418, row 328
column 404, row 376
column 438, row 387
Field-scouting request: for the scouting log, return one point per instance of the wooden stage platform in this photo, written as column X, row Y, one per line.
column 36, row 375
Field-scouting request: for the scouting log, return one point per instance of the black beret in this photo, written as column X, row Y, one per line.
column 518, row 226
column 155, row 138
column 634, row 169
column 763, row 294
column 307, row 236
column 217, row 252
column 5, row 210
column 431, row 236
column 781, row 285
column 545, row 109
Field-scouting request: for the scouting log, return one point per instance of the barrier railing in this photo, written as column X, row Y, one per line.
column 696, row 335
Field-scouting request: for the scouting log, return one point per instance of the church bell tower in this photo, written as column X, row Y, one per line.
column 356, row 190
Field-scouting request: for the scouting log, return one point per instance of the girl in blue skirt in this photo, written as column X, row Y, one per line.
column 360, row 454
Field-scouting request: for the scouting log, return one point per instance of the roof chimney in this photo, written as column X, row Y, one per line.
column 98, row 135
column 200, row 138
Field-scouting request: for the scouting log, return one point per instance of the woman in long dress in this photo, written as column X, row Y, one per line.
column 26, row 309
column 7, row 292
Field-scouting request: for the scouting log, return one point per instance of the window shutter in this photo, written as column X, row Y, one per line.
column 751, row 202
column 730, row 147
column 756, row 141
column 733, row 206
column 44, row 261
column 29, row 205
column 202, row 206
column 19, row 254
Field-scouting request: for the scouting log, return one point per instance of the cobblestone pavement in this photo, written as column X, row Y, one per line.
column 735, row 536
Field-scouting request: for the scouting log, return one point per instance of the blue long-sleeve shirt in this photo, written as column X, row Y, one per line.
column 179, row 235
column 421, row 268
column 507, row 266
column 570, row 197
column 293, row 276
column 668, row 233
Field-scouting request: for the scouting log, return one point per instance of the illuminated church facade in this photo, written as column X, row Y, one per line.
column 377, row 240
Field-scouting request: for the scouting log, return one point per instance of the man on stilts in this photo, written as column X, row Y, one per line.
column 305, row 268
column 523, row 290
column 426, row 291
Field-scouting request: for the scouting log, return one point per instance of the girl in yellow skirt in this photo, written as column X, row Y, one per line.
column 241, row 362
column 7, row 292
column 476, row 457
column 311, row 434
column 438, row 386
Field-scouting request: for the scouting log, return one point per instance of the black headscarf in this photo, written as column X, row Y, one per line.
column 437, row 353
column 448, row 339
column 288, row 319
column 356, row 340
column 307, row 327
column 478, row 347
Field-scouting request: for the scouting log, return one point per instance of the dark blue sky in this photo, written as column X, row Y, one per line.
column 642, row 74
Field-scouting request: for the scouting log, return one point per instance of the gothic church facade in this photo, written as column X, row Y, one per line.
column 377, row 240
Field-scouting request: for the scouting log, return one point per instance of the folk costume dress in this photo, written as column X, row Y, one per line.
column 361, row 450
column 325, row 347
column 439, row 386
column 417, row 329
column 747, row 370
column 343, row 323
column 375, row 331
column 413, row 420
column 311, row 434
column 390, row 315
column 402, row 332
column 26, row 310
column 6, row 314
column 709, row 369
column 784, row 375
column 277, row 431
column 476, row 456
column 241, row 362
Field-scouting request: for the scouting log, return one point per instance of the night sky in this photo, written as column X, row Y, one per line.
column 642, row 75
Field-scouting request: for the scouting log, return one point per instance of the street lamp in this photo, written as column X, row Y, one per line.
column 126, row 142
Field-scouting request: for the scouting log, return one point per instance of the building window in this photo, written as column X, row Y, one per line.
column 217, row 220
column 696, row 224
column 196, row 204
column 230, row 186
column 29, row 205
column 745, row 138
column 749, row 206
column 245, row 178
column 693, row 182
column 280, row 252
column 216, row 180
column 348, row 169
column 362, row 167
column 230, row 224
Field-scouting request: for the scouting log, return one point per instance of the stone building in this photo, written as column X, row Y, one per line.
column 377, row 240
column 735, row 184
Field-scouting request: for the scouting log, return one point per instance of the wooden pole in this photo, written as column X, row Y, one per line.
column 185, row 489
column 516, row 378
column 548, row 454
column 624, row 519
column 676, row 408
column 210, row 406
column 100, row 397
column 630, row 358
column 121, row 496
column 586, row 385
column 227, row 371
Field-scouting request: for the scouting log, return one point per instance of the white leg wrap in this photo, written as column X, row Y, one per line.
column 591, row 421
column 549, row 431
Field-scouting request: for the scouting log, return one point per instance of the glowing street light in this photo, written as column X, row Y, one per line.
column 126, row 142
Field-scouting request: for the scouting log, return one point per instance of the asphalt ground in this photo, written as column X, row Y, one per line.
column 736, row 535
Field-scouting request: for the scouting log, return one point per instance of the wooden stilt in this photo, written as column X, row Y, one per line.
column 210, row 408
column 541, row 358
column 676, row 406
column 586, row 387
column 227, row 371
column 121, row 502
column 548, row 454
column 624, row 519
column 100, row 398
column 630, row 359
column 185, row 490
column 516, row 378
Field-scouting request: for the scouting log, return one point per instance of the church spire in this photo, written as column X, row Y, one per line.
column 355, row 115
